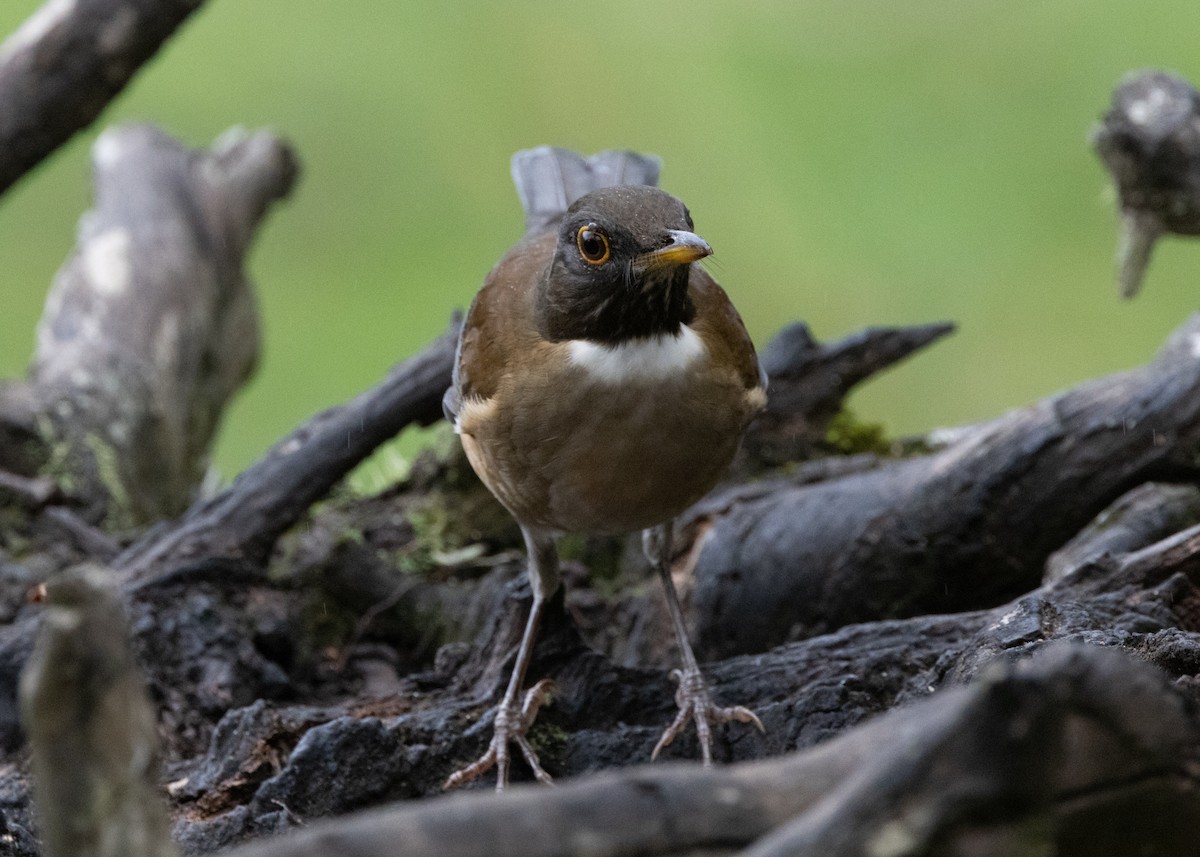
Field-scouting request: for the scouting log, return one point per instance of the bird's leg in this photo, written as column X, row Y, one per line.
column 692, row 696
column 513, row 719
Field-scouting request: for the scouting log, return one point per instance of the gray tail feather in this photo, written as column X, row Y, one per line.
column 549, row 179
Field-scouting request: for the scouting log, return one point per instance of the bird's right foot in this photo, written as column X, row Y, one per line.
column 511, row 724
column 696, row 705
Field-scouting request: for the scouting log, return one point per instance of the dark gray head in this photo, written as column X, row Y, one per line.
column 621, row 266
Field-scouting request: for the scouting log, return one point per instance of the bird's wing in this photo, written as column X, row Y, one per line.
column 722, row 329
column 499, row 323
column 451, row 404
column 548, row 179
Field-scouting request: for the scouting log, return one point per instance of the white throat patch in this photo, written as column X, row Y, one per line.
column 653, row 359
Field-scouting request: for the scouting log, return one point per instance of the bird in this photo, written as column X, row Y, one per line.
column 601, row 385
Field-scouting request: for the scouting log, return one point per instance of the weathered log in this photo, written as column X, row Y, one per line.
column 150, row 326
column 399, row 738
column 967, row 527
column 1099, row 740
column 92, row 728
column 1138, row 519
column 1150, row 142
column 1023, row 762
column 63, row 66
column 148, row 330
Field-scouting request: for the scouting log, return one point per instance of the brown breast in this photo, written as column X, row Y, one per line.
column 568, row 441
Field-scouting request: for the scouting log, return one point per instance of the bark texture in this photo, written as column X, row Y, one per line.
column 151, row 325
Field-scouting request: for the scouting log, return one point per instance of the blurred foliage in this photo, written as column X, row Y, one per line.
column 852, row 164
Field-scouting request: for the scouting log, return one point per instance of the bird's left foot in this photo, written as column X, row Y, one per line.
column 695, row 704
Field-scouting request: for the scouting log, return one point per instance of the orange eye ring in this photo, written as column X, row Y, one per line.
column 593, row 244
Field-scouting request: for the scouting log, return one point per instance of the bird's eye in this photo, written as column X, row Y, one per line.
column 593, row 244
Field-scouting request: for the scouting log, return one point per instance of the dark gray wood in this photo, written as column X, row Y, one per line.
column 1145, row 515
column 61, row 68
column 151, row 324
column 809, row 381
column 369, row 748
column 92, row 729
column 966, row 527
column 1011, row 764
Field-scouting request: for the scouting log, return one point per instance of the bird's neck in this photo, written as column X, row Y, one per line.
column 639, row 310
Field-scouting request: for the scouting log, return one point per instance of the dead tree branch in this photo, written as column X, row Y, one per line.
column 244, row 520
column 809, row 382
column 63, row 66
column 1150, row 142
column 964, row 528
column 151, row 324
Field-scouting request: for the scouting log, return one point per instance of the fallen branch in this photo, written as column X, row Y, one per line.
column 1009, row 761
column 245, row 519
column 63, row 66
column 964, row 528
column 810, row 380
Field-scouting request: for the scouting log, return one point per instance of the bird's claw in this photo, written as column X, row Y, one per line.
column 695, row 704
column 510, row 726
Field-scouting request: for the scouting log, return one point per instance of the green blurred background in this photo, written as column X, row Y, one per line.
column 853, row 164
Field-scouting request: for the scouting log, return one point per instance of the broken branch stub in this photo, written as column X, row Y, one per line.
column 966, row 527
column 1150, row 142
column 92, row 728
column 151, row 325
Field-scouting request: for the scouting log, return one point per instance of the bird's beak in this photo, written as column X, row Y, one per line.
column 685, row 248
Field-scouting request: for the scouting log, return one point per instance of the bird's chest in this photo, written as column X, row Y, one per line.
column 608, row 439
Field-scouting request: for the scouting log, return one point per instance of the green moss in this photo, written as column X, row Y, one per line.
column 601, row 555
column 14, row 523
column 383, row 469
column 848, row 435
column 119, row 512
column 434, row 526
column 548, row 741
column 58, row 456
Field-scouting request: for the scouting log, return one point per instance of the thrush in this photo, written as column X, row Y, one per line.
column 601, row 385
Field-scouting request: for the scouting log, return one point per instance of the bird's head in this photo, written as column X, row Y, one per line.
column 621, row 266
